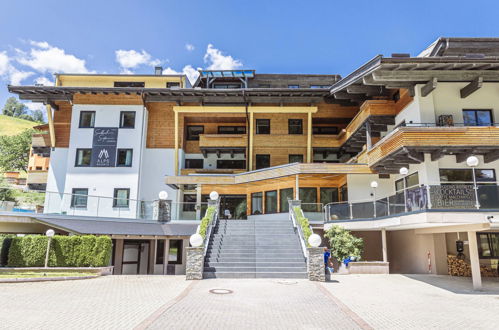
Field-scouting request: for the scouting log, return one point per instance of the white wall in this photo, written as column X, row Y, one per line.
column 157, row 164
column 56, row 180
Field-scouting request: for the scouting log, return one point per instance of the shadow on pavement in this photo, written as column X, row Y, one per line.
column 459, row 285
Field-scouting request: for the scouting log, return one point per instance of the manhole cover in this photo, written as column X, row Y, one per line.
column 287, row 282
column 221, row 291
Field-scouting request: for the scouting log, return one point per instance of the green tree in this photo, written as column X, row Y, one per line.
column 38, row 116
column 14, row 108
column 343, row 244
column 6, row 193
column 14, row 151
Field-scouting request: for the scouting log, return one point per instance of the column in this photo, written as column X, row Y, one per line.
column 151, row 256
column 249, row 154
column 297, row 188
column 316, row 268
column 118, row 256
column 198, row 202
column 475, row 262
column 165, row 256
column 51, row 125
column 309, row 138
column 383, row 245
column 369, row 143
column 176, row 142
column 194, row 263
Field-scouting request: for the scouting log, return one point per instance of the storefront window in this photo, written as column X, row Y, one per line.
column 329, row 195
column 465, row 175
column 308, row 197
column 175, row 251
column 488, row 245
column 285, row 196
column 271, row 201
column 256, row 203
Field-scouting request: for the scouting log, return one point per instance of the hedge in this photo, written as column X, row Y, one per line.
column 5, row 240
column 65, row 251
column 203, row 227
column 303, row 222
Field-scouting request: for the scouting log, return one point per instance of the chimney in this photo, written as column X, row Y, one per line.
column 158, row 70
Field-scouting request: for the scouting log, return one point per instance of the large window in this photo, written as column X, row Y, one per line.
column 295, row 126
column 231, row 163
column 129, row 84
column 285, row 195
column 127, row 119
column 160, row 251
column 175, row 251
column 465, row 175
column 256, row 203
column 263, row 126
column 121, row 197
column 83, row 157
column 79, row 197
column 329, row 195
column 124, row 158
column 322, row 130
column 477, row 117
column 271, row 201
column 295, row 159
column 231, row 130
column 488, row 245
column 308, row 197
column 87, row 119
column 189, row 203
column 194, row 163
column 262, row 161
column 411, row 180
column 344, row 193
column 193, row 132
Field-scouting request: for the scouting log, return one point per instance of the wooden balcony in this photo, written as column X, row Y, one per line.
column 407, row 145
column 40, row 140
column 37, row 177
column 223, row 140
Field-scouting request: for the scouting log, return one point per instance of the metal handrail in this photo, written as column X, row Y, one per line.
column 298, row 228
column 210, row 229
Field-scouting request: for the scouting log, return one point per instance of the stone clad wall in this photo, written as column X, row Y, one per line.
column 195, row 262
column 316, row 270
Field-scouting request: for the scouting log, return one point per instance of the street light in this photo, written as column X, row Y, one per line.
column 213, row 195
column 49, row 233
column 374, row 185
column 472, row 161
column 163, row 195
column 403, row 171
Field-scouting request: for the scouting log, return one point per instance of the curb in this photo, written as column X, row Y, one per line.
column 46, row 279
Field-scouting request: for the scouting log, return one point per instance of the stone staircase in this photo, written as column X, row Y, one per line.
column 255, row 248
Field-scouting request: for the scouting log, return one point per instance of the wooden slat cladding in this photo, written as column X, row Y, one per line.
column 434, row 137
column 110, row 99
column 405, row 99
column 62, row 124
column 160, row 125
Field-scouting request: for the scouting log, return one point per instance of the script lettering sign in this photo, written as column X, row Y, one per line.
column 104, row 147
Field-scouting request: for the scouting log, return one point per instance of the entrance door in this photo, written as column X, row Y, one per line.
column 233, row 206
column 135, row 257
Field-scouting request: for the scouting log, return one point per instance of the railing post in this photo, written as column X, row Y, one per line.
column 351, row 210
column 98, row 204
column 388, row 205
column 428, row 204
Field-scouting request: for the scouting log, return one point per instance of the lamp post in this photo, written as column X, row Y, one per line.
column 472, row 161
column 49, row 233
column 374, row 185
column 403, row 171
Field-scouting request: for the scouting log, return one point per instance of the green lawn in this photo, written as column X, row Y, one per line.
column 33, row 274
column 13, row 126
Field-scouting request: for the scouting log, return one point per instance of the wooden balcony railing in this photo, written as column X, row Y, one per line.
column 40, row 140
column 36, row 177
column 222, row 140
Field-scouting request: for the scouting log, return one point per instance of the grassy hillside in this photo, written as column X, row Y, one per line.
column 13, row 126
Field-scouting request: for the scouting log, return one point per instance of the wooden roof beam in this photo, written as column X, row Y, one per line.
column 491, row 156
column 429, row 87
column 472, row 87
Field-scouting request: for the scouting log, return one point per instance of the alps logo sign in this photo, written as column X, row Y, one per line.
column 104, row 147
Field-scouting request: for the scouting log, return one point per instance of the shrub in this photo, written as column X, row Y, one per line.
column 5, row 241
column 65, row 251
column 208, row 217
column 303, row 222
column 343, row 243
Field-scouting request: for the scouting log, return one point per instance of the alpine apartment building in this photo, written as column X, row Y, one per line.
column 384, row 151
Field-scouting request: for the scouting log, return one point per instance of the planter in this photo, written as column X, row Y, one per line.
column 368, row 267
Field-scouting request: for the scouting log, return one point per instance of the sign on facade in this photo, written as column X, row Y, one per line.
column 104, row 147
column 452, row 196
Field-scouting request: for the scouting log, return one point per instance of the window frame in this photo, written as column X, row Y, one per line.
column 257, row 195
column 295, row 155
column 73, row 198
column 190, row 138
column 478, row 181
column 242, row 163
column 121, row 119
column 406, row 179
column 138, row 84
column 295, row 126
column 180, row 249
column 235, row 127
column 92, row 124
column 285, row 207
column 262, row 120
column 266, row 201
column 318, row 130
column 115, row 198
column 76, row 157
column 489, row 241
column 189, row 207
column 475, row 111
column 175, row 84
column 256, row 161
column 118, row 154
column 193, row 160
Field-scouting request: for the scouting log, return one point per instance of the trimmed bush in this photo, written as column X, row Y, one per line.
column 208, row 217
column 5, row 241
column 65, row 251
column 303, row 222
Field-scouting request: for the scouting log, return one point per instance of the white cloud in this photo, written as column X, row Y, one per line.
column 44, row 81
column 191, row 73
column 218, row 61
column 9, row 72
column 17, row 76
column 131, row 59
column 189, row 47
column 46, row 58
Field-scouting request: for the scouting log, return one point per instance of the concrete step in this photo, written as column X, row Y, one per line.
column 256, row 269
column 254, row 264
column 255, row 275
column 252, row 255
column 255, row 259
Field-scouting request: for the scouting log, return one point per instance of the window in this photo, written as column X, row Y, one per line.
column 411, row 180
column 319, row 86
column 124, row 158
column 295, row 159
column 39, row 168
column 329, row 195
column 231, row 163
column 263, row 126
column 308, row 197
column 175, row 251
column 231, row 130
column 271, row 201
column 293, row 86
column 194, row 163
column 477, row 117
column 256, row 203
column 127, row 119
column 172, row 84
column 129, row 84
column 160, row 251
column 189, row 203
column 322, row 130
column 83, row 157
column 87, row 119
column 228, row 86
column 344, row 193
column 121, row 197
column 193, row 132
column 79, row 198
column 461, row 175
column 488, row 245
column 262, row 161
column 295, row 126
column 285, row 195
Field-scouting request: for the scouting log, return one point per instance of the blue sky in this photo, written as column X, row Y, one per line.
column 38, row 38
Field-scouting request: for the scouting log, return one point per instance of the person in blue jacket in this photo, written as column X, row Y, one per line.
column 327, row 261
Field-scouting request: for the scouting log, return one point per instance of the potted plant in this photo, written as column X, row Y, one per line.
column 344, row 246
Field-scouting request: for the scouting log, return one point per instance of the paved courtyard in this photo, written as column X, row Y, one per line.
column 170, row 302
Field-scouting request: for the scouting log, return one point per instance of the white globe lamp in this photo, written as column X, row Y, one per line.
column 472, row 161
column 213, row 195
column 50, row 233
column 196, row 240
column 314, row 240
column 163, row 195
column 403, row 171
column 374, row 184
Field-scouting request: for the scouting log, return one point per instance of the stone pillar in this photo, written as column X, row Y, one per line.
column 316, row 269
column 476, row 276
column 195, row 263
column 162, row 210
